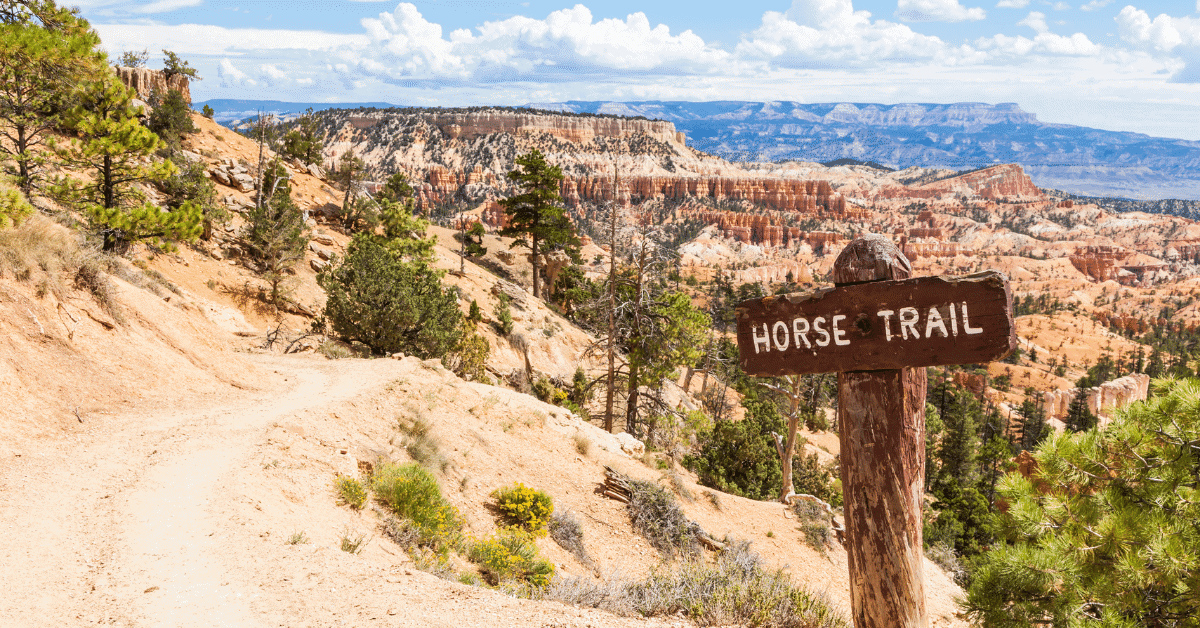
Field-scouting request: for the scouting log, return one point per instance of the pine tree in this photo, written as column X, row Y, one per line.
column 275, row 234
column 352, row 170
column 1032, row 424
column 534, row 218
column 173, row 65
column 112, row 147
column 170, row 119
column 1104, row 531
column 396, row 189
column 44, row 53
column 302, row 142
column 389, row 303
column 1079, row 418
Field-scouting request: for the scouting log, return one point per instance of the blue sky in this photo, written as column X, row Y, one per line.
column 1130, row 65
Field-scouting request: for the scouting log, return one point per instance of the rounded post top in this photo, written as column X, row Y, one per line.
column 872, row 257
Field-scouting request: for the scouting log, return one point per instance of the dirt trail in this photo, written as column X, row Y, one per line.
column 87, row 527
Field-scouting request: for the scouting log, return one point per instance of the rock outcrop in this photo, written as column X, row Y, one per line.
column 146, row 81
column 1102, row 400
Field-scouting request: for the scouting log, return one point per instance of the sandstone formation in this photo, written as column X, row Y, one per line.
column 1101, row 400
column 146, row 81
column 1006, row 181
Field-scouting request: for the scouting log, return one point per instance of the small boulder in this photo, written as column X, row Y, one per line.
column 322, row 238
column 631, row 445
column 244, row 182
column 315, row 171
column 318, row 265
column 507, row 257
column 221, row 175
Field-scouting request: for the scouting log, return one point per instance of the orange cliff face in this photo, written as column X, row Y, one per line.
column 1004, row 181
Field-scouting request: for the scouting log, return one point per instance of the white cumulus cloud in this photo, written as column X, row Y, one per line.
column 830, row 33
column 1013, row 4
column 1095, row 4
column 231, row 76
column 937, row 11
column 1035, row 20
column 1178, row 37
column 404, row 46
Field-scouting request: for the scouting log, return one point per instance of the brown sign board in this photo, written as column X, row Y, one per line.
column 926, row 321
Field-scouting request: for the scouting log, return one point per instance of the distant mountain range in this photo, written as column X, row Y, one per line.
column 960, row 136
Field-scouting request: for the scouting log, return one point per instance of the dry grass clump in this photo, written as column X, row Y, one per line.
column 814, row 524
column 568, row 533
column 583, row 444
column 947, row 558
column 40, row 251
column 736, row 591
column 656, row 515
column 420, row 443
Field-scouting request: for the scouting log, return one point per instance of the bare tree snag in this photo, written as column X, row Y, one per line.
column 881, row 419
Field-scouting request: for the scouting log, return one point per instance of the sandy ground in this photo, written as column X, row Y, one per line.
column 140, row 522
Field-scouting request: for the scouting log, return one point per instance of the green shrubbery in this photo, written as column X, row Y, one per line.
column 13, row 207
column 510, row 555
column 352, row 492
column 412, row 493
column 390, row 304
column 1104, row 533
column 528, row 508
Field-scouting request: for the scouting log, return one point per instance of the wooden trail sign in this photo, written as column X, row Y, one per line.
column 875, row 328
column 926, row 321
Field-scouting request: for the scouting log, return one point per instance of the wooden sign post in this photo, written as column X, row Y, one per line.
column 875, row 328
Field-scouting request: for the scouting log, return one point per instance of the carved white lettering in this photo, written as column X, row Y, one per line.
column 953, row 321
column 800, row 328
column 934, row 321
column 886, row 315
column 823, row 335
column 908, row 322
column 781, row 327
column 764, row 339
column 967, row 323
column 839, row 335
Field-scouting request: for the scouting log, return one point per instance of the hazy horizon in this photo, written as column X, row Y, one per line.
column 1121, row 66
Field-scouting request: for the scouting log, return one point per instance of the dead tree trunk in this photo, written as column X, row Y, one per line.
column 612, row 308
column 881, row 416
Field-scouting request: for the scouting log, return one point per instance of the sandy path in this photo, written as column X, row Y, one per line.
column 87, row 529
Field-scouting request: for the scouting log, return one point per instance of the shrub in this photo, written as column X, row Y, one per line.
column 412, row 492
column 814, row 524
column 351, row 491
column 297, row 538
column 503, row 315
column 469, row 358
column 566, row 531
column 353, row 544
column 736, row 591
column 583, row 444
column 656, row 515
column 420, row 443
column 390, row 305
column 511, row 555
column 525, row 507
column 171, row 118
column 13, row 207
column 739, row 457
column 207, row 112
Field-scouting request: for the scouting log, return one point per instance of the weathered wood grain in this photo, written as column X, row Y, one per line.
column 881, row 419
column 925, row 321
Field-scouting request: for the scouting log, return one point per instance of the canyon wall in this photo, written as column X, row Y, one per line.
column 145, row 81
column 1102, row 400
